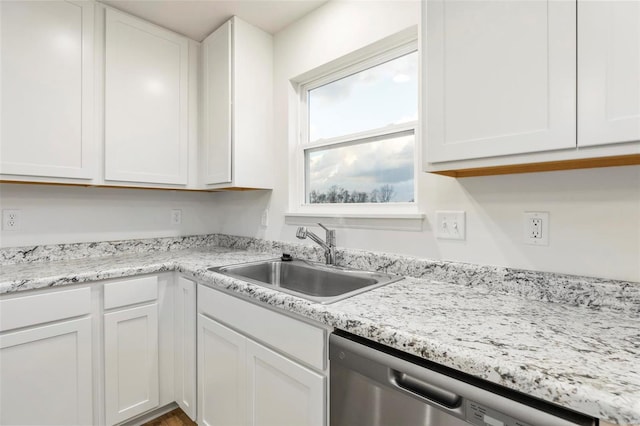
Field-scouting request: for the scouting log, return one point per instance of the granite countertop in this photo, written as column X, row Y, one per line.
column 580, row 358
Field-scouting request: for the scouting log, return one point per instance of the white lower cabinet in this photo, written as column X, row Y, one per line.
column 255, row 366
column 185, row 346
column 102, row 353
column 46, row 367
column 243, row 382
column 281, row 391
column 46, row 375
column 221, row 374
column 131, row 362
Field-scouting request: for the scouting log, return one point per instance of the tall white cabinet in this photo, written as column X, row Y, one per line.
column 46, row 89
column 236, row 115
column 146, row 102
column 608, row 72
column 500, row 77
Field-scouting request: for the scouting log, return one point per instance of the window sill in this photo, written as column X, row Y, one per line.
column 387, row 221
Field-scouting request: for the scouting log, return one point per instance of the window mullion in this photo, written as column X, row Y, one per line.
column 369, row 134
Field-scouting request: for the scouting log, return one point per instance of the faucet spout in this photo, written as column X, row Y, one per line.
column 329, row 246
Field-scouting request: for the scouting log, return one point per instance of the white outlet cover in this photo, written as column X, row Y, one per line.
column 450, row 225
column 10, row 220
column 527, row 228
column 176, row 217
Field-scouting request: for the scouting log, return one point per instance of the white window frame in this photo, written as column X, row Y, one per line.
column 376, row 54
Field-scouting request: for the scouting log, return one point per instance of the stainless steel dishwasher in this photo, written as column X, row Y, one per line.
column 373, row 385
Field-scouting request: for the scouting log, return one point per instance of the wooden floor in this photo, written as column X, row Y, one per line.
column 176, row 417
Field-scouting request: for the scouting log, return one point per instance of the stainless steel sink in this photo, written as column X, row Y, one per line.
column 313, row 281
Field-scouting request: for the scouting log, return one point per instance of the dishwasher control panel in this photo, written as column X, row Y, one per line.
column 480, row 415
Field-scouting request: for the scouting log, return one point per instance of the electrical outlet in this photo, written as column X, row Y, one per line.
column 264, row 219
column 536, row 228
column 176, row 217
column 10, row 220
column 450, row 225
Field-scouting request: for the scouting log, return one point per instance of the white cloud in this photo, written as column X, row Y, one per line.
column 365, row 167
column 401, row 78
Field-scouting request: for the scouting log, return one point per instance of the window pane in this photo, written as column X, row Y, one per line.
column 378, row 170
column 371, row 99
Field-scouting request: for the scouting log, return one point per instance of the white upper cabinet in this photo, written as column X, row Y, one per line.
column 146, row 102
column 236, row 143
column 500, row 77
column 217, row 78
column 608, row 72
column 46, row 89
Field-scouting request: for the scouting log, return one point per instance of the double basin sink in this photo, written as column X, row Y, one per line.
column 313, row 281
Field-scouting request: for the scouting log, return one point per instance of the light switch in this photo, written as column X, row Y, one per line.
column 450, row 225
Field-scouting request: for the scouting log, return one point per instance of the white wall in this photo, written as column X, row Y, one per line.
column 595, row 214
column 59, row 214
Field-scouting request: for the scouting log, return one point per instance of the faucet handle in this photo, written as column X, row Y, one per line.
column 301, row 233
column 330, row 235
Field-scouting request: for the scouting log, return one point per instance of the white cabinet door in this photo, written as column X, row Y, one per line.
column 608, row 72
column 131, row 362
column 46, row 89
column 500, row 77
column 237, row 107
column 221, row 375
column 216, row 71
column 282, row 392
column 185, row 346
column 146, row 82
column 46, row 375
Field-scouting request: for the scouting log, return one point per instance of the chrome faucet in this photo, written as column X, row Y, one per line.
column 329, row 246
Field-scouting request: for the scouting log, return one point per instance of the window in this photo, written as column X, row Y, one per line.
column 358, row 134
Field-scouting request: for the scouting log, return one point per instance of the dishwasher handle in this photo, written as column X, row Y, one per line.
column 425, row 390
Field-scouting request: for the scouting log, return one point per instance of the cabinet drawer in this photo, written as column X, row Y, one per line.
column 296, row 338
column 45, row 307
column 130, row 292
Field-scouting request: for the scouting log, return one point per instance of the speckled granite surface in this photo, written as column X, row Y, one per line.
column 55, row 252
column 568, row 289
column 574, row 290
column 584, row 357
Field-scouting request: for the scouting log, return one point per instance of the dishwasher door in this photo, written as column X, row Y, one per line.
column 373, row 387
